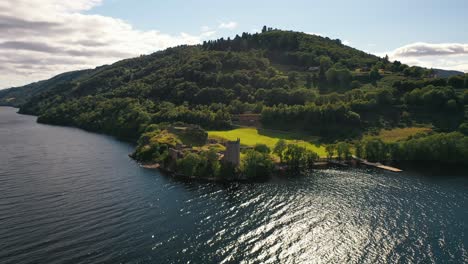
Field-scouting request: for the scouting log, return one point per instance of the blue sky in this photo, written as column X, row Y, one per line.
column 42, row 38
column 376, row 26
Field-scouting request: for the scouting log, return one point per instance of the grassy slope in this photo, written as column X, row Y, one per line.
column 252, row 136
column 397, row 134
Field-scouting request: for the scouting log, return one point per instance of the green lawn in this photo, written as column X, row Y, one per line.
column 252, row 136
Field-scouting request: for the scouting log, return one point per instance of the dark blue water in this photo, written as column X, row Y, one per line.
column 68, row 196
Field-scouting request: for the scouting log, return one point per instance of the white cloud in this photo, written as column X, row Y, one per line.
column 346, row 42
column 205, row 28
column 421, row 49
column 42, row 38
column 208, row 34
column 450, row 56
column 228, row 25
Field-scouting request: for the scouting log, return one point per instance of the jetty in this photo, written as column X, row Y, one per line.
column 377, row 165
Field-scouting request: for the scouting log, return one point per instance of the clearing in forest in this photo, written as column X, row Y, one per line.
column 252, row 136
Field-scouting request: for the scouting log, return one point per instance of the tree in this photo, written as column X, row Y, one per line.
column 456, row 81
column 294, row 156
column 301, row 96
column 343, row 150
column 355, row 84
column 188, row 164
column 464, row 97
column 222, row 119
column 204, row 168
column 310, row 158
column 279, row 148
column 257, row 165
column 463, row 128
column 213, row 164
column 309, row 81
column 227, row 170
column 325, row 62
column 452, row 105
column 396, row 66
column 384, row 97
column 413, row 71
column 292, row 78
column 385, row 59
column 262, row 148
column 264, row 29
column 393, row 150
column 330, row 149
column 322, row 79
column 315, row 79
column 338, row 77
column 359, row 150
column 374, row 75
column 445, row 147
column 332, row 77
column 375, row 150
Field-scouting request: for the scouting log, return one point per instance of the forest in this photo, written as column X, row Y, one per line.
column 293, row 81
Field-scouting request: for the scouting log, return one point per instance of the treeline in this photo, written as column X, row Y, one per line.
column 124, row 118
column 442, row 147
column 331, row 115
column 294, row 48
column 337, row 119
column 127, row 118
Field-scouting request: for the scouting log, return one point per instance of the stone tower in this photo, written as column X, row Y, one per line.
column 232, row 153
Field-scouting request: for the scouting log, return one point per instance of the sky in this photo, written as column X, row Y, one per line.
column 42, row 38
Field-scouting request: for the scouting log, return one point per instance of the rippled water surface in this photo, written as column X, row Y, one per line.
column 68, row 196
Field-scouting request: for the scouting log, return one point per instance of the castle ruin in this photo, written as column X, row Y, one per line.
column 232, row 153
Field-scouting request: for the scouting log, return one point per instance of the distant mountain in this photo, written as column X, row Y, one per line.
column 446, row 73
column 17, row 96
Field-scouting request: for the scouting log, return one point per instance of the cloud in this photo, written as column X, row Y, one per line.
column 346, row 42
column 451, row 56
column 42, row 38
column 208, row 34
column 205, row 28
column 314, row 33
column 421, row 49
column 228, row 25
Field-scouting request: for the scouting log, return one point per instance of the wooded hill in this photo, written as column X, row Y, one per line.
column 293, row 80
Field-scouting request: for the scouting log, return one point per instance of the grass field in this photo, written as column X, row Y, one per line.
column 396, row 134
column 252, row 136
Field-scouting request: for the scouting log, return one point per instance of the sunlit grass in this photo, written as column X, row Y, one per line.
column 251, row 136
column 397, row 134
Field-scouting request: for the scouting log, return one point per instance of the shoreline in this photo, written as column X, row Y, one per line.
column 416, row 165
column 279, row 171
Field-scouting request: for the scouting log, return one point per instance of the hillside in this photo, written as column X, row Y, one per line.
column 446, row 73
column 17, row 96
column 292, row 81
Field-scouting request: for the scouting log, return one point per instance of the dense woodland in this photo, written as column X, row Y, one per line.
column 293, row 80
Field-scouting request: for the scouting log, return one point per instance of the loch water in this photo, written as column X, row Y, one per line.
column 70, row 196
